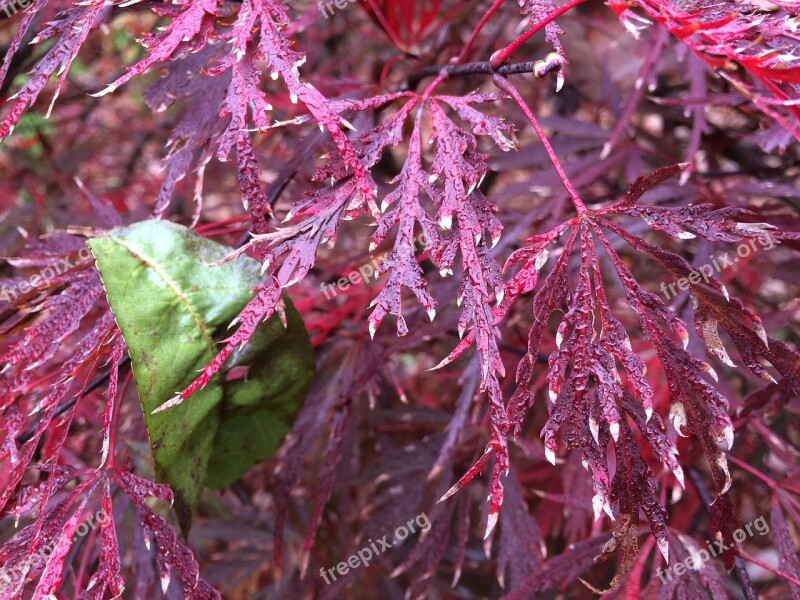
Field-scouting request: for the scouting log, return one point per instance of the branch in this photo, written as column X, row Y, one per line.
column 467, row 69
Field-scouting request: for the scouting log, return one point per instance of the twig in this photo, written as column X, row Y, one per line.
column 474, row 68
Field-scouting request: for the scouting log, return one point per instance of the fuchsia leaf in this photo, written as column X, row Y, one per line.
column 108, row 578
column 723, row 36
column 192, row 24
column 72, row 29
column 22, row 30
column 404, row 211
column 192, row 138
column 37, row 552
column 50, row 579
column 290, row 252
column 172, row 557
column 223, row 67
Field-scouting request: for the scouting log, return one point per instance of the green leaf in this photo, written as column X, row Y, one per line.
column 259, row 410
column 172, row 310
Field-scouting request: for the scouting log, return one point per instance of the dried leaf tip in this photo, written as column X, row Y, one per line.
column 169, row 404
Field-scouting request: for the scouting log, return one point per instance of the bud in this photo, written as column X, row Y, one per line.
column 549, row 65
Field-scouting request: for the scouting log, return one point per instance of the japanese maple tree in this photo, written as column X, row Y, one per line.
column 282, row 276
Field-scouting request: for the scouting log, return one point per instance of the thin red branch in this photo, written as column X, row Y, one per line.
column 485, row 19
column 502, row 55
column 743, row 465
column 505, row 85
column 750, row 558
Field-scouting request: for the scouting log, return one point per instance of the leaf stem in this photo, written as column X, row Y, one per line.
column 443, row 73
column 743, row 465
column 750, row 558
column 502, row 55
column 478, row 28
column 505, row 85
column 383, row 23
column 116, row 407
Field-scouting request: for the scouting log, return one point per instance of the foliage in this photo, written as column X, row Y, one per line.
column 167, row 305
column 394, row 163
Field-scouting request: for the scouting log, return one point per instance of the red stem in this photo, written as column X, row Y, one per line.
column 384, row 23
column 501, row 56
column 505, row 85
column 477, row 30
column 116, row 407
column 750, row 558
column 752, row 471
column 218, row 224
column 464, row 51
